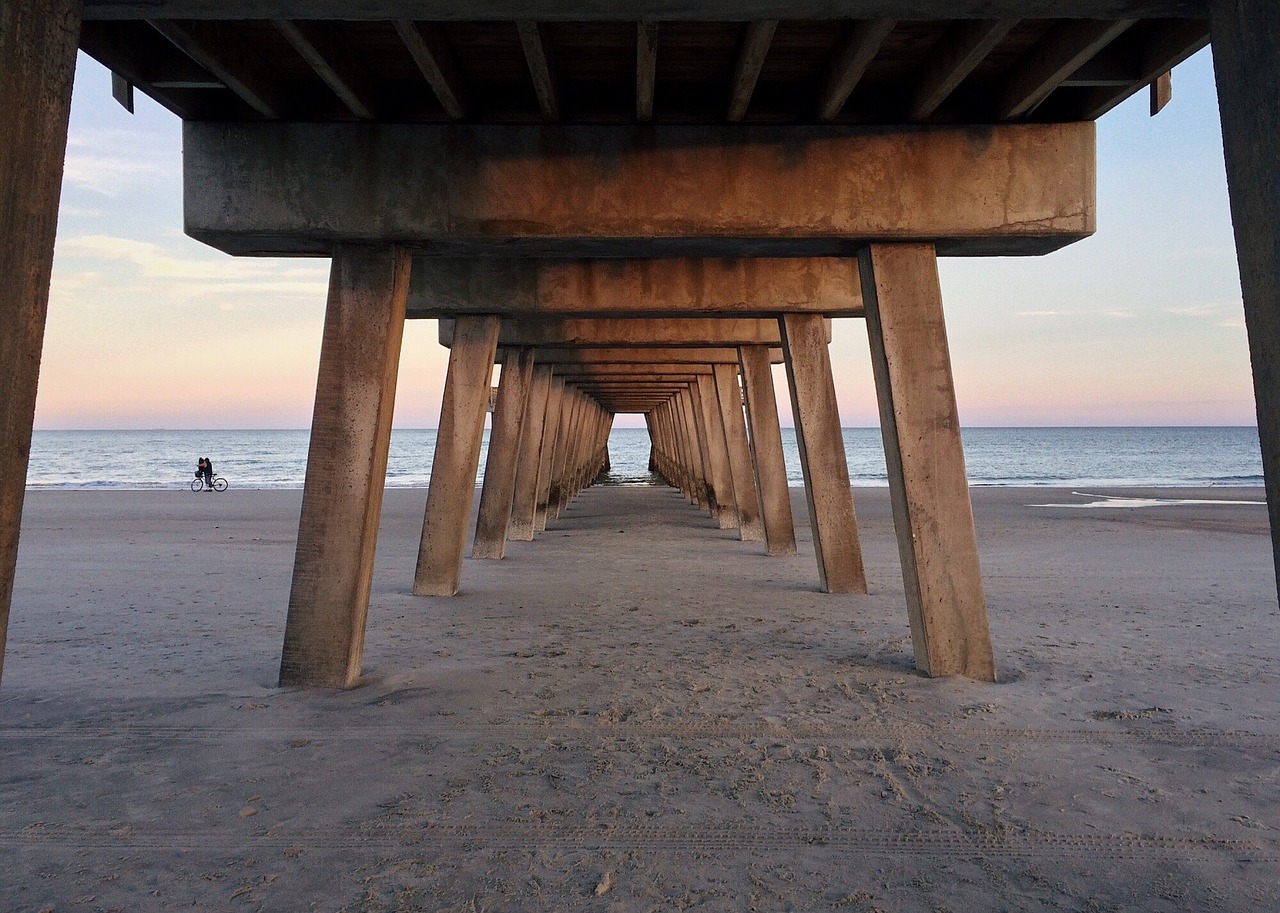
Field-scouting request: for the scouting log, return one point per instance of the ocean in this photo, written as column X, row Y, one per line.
column 1064, row 457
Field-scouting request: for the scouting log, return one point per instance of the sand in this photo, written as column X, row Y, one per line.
column 639, row 712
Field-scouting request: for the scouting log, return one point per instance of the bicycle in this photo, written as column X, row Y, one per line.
column 219, row 483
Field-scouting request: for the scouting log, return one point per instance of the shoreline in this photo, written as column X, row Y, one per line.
column 1123, row 486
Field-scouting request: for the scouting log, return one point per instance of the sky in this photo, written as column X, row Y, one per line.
column 1141, row 324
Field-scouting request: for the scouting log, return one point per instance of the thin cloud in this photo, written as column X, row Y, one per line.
column 1040, row 314
column 141, row 268
column 90, row 165
column 153, row 261
column 1224, row 313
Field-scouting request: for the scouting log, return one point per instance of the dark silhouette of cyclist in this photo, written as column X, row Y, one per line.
column 205, row 468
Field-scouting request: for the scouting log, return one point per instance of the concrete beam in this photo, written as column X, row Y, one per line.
column 430, row 50
column 608, row 332
column 957, row 54
column 630, row 355
column 636, row 288
column 325, row 49
column 1047, row 65
column 859, row 47
column 642, row 191
column 654, row 371
column 646, row 69
column 224, row 54
column 756, row 38
column 37, row 61
column 659, row 10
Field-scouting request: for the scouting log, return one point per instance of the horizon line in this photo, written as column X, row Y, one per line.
column 789, row 427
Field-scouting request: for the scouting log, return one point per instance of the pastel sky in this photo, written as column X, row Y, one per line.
column 1139, row 325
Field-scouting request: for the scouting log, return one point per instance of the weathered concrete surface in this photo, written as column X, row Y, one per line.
column 729, row 398
column 719, row 470
column 708, row 497
column 1246, row 57
column 560, row 456
column 821, row 446
column 346, row 467
column 638, row 371
column 37, row 62
column 638, row 288
column 766, row 451
column 457, row 457
column 505, row 436
column 630, row 355
column 550, row 440
column 925, row 459
column 525, row 501
column 638, row 332
column 637, row 191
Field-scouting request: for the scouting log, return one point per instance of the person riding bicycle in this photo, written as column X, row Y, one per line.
column 205, row 468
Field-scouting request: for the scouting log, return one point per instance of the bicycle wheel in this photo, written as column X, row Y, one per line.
column 219, row 484
column 197, row 484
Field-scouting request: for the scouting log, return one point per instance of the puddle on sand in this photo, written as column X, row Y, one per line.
column 1119, row 501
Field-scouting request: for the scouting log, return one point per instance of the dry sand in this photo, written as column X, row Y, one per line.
column 639, row 712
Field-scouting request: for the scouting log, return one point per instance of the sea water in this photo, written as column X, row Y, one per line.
column 1067, row 457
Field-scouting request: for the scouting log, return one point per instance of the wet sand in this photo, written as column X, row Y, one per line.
column 639, row 712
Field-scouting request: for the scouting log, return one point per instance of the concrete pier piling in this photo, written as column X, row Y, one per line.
column 346, row 466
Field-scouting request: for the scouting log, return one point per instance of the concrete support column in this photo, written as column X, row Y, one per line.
column 668, row 450
column 550, row 440
column 767, row 458
column 525, row 505
column 717, row 454
column 673, row 470
column 565, row 445
column 653, row 441
column 591, row 461
column 729, row 396
column 671, row 419
column 585, row 448
column 821, row 445
column 698, row 450
column 38, row 40
column 505, row 435
column 346, row 467
column 457, row 457
column 1246, row 61
column 925, row 456
column 697, row 491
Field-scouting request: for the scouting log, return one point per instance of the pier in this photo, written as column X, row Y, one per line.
column 630, row 178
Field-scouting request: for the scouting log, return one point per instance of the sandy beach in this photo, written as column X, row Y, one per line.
column 639, row 712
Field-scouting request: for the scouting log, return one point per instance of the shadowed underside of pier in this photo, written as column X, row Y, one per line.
column 481, row 64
